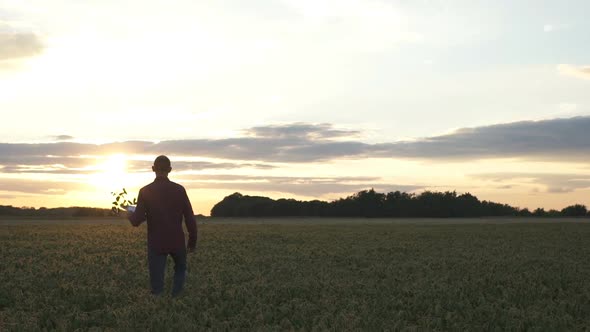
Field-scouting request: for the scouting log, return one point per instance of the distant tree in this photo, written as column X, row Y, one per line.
column 435, row 204
column 492, row 209
column 467, row 206
column 228, row 207
column 539, row 212
column 577, row 210
column 237, row 205
column 9, row 210
column 53, row 212
column 89, row 212
column 525, row 212
column 371, row 204
column 400, row 204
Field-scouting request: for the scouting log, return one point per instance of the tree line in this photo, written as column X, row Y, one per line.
column 62, row 212
column 366, row 203
column 372, row 204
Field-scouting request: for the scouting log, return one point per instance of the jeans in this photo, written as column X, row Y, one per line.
column 157, row 269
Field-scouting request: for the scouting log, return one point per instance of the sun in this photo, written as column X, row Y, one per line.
column 110, row 174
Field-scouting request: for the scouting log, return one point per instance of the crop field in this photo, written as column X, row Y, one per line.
column 301, row 276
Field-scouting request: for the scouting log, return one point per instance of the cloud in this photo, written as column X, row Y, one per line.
column 63, row 138
column 266, row 147
column 44, row 164
column 574, row 71
column 179, row 166
column 553, row 182
column 304, row 186
column 552, row 140
column 286, row 143
column 39, row 187
column 41, row 169
column 18, row 44
column 301, row 130
column 555, row 140
column 76, row 165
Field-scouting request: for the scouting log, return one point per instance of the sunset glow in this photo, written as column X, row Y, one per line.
column 110, row 173
column 296, row 99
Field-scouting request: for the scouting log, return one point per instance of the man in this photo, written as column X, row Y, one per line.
column 163, row 204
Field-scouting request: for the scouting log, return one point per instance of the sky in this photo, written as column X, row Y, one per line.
column 305, row 99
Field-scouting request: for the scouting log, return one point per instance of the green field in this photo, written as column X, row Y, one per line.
column 408, row 275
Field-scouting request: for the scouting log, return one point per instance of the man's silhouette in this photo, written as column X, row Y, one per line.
column 163, row 204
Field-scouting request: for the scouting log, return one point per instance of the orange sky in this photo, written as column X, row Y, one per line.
column 304, row 99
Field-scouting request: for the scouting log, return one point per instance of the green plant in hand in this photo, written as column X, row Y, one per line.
column 121, row 202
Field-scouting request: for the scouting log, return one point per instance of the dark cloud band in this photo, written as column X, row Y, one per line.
column 552, row 140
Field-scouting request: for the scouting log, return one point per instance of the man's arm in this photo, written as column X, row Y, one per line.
column 191, row 224
column 139, row 216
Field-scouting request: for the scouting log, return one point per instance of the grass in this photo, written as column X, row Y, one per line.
column 524, row 276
